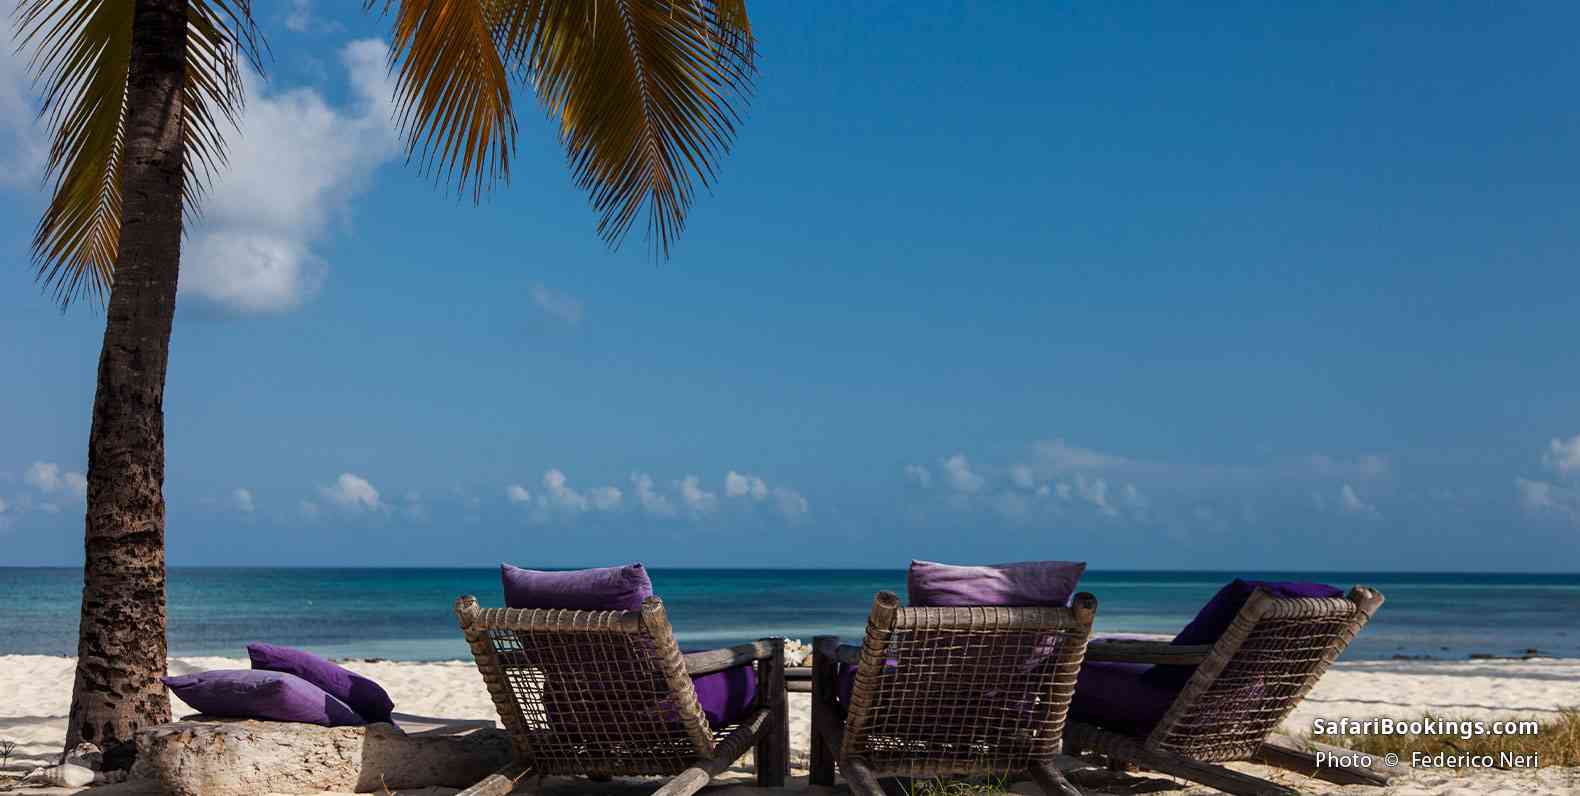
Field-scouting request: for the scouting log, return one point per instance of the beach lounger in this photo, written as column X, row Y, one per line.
column 609, row 693
column 1183, row 708
column 939, row 692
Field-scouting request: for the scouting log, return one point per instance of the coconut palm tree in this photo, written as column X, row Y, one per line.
column 138, row 93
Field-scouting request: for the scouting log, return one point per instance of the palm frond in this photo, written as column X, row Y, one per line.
column 646, row 95
column 452, row 92
column 82, row 52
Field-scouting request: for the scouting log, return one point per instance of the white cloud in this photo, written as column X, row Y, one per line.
column 518, row 494
column 1061, row 457
column 353, row 493
column 1543, row 497
column 560, row 496
column 1351, row 502
column 791, row 503
column 48, row 478
column 294, row 167
column 1368, row 466
column 557, row 304
column 651, row 500
column 957, row 471
column 301, row 19
column 697, row 499
column 1564, row 455
column 920, row 474
column 24, row 139
column 1095, row 492
column 1023, row 476
column 241, row 498
column 737, row 485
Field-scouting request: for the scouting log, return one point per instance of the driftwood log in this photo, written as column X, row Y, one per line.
column 218, row 757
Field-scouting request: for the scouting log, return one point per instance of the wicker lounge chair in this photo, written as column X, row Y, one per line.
column 1241, row 690
column 608, row 693
column 948, row 692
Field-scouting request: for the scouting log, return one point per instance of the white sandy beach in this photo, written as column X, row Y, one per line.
column 35, row 695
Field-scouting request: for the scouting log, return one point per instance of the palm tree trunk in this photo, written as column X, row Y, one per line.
column 121, row 641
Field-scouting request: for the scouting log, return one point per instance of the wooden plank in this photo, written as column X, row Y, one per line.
column 1128, row 651
column 726, row 657
column 798, row 673
column 499, row 783
column 1300, row 756
column 798, row 687
column 1212, row 776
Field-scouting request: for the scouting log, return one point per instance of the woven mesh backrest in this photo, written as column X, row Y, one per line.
column 964, row 690
column 1259, row 670
column 590, row 692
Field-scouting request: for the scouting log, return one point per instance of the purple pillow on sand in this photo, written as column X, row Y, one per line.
column 1028, row 583
column 367, row 698
column 256, row 694
column 603, row 589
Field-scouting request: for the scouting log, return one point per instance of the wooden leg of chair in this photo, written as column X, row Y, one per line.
column 1052, row 781
column 772, row 757
column 824, row 718
column 1213, row 776
column 860, row 778
column 1287, row 756
column 690, row 781
column 499, row 783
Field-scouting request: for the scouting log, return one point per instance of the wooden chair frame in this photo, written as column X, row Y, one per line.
column 1242, row 689
column 509, row 645
column 990, row 645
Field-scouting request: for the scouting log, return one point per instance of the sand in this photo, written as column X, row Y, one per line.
column 35, row 695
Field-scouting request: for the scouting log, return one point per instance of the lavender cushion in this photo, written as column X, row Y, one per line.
column 1218, row 614
column 727, row 697
column 364, row 696
column 1027, row 583
column 257, row 694
column 603, row 589
column 1119, row 697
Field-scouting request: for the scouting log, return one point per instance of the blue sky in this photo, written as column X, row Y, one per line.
column 1236, row 287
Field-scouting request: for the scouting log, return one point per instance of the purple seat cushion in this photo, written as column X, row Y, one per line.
column 1027, row 583
column 258, row 694
column 362, row 695
column 603, row 589
column 729, row 696
column 1218, row 614
column 1119, row 697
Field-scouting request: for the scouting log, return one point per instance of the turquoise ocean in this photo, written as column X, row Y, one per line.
column 405, row 614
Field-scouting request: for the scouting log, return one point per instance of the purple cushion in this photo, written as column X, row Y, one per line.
column 364, row 696
column 1119, row 697
column 1028, row 583
column 257, row 694
column 729, row 696
column 604, row 589
column 1218, row 614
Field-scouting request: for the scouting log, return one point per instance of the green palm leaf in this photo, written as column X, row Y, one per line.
column 645, row 93
column 82, row 51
